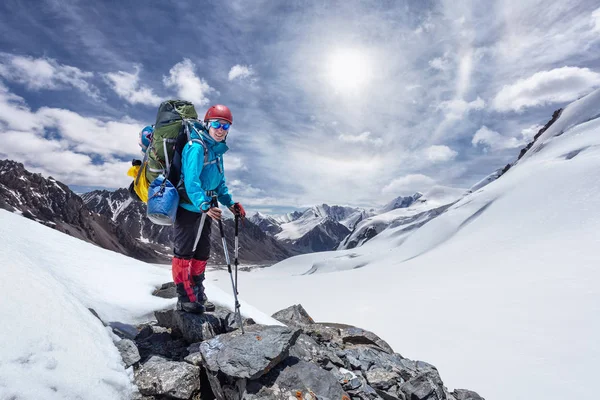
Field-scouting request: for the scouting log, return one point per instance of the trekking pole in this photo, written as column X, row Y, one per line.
column 202, row 220
column 237, row 304
column 235, row 261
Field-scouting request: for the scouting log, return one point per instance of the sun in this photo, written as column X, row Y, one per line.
column 348, row 70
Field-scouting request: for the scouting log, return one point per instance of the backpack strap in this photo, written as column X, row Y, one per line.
column 199, row 141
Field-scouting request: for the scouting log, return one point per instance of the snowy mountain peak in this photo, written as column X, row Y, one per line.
column 289, row 217
column 401, row 202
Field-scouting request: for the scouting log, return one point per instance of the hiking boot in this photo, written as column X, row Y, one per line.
column 197, row 268
column 190, row 307
column 210, row 307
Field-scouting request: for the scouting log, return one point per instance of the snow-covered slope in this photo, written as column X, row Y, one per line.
column 407, row 213
column 501, row 292
column 52, row 347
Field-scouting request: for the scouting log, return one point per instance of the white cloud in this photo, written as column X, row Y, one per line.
column 554, row 86
column 440, row 63
column 240, row 72
column 128, row 87
column 440, row 153
column 456, row 109
column 494, row 140
column 189, row 87
column 70, row 147
column 529, row 133
column 364, row 137
column 244, row 190
column 596, row 19
column 233, row 163
column 408, row 185
column 45, row 73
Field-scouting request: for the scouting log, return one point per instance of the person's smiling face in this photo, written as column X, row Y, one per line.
column 218, row 134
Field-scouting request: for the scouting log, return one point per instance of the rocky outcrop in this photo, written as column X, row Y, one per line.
column 187, row 356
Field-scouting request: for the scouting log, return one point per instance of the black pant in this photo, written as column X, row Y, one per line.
column 185, row 230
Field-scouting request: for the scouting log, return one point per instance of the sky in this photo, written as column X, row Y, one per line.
column 349, row 103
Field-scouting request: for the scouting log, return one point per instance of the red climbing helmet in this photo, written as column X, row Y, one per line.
column 219, row 111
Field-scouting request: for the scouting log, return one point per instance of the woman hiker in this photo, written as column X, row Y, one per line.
column 200, row 179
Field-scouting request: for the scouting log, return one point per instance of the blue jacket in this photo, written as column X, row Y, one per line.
column 198, row 178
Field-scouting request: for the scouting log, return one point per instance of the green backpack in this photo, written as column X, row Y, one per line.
column 167, row 129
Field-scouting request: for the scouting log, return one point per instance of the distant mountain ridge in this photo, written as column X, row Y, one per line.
column 52, row 203
column 255, row 245
column 318, row 228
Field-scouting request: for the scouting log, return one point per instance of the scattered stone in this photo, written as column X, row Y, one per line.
column 129, row 352
column 427, row 386
column 95, row 314
column 248, row 355
column 193, row 327
column 296, row 379
column 159, row 377
column 197, row 327
column 124, row 331
column 355, row 335
column 307, row 349
column 156, row 340
column 349, row 380
column 381, row 379
column 397, row 395
column 166, row 291
column 463, row 394
column 295, row 316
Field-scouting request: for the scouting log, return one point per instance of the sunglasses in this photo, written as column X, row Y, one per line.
column 216, row 124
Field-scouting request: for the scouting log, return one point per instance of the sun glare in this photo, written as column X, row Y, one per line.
column 348, row 70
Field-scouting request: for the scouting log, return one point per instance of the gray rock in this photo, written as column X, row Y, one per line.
column 427, row 386
column 248, row 355
column 194, row 357
column 95, row 314
column 159, row 377
column 296, row 379
column 195, row 327
column 166, row 291
column 391, row 394
column 323, row 333
column 363, row 391
column 157, row 340
column 381, row 379
column 349, row 380
column 228, row 319
column 124, row 331
column 294, row 316
column 307, row 349
column 463, row 394
column 360, row 336
column 165, row 318
column 129, row 352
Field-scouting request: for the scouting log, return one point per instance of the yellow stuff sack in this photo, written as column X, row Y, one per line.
column 142, row 184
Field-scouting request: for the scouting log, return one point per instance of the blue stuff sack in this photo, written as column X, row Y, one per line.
column 163, row 201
